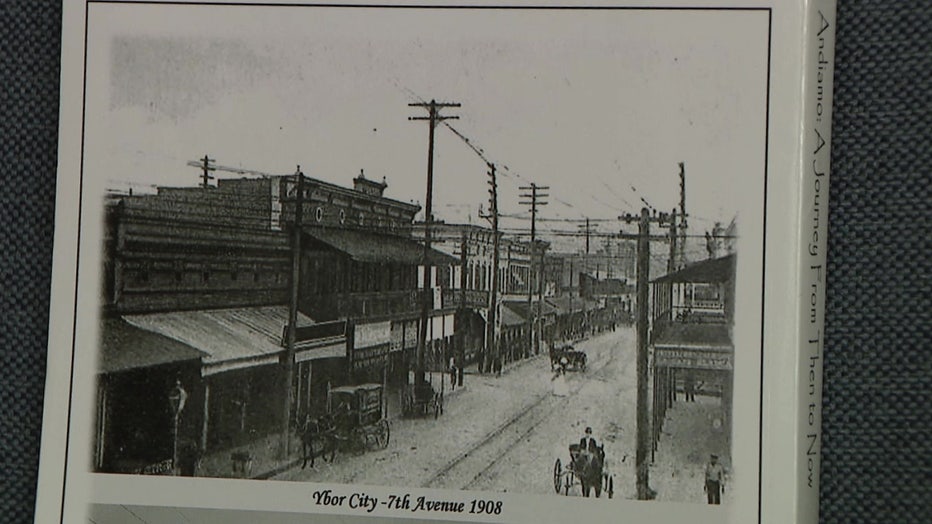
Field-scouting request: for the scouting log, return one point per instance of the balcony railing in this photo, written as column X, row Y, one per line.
column 365, row 305
column 470, row 298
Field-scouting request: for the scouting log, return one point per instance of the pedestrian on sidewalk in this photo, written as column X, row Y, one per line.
column 689, row 387
column 714, row 480
column 452, row 374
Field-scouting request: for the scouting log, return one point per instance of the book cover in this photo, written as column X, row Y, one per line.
column 449, row 262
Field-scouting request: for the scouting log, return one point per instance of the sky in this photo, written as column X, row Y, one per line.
column 600, row 106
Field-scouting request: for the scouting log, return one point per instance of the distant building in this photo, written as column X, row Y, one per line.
column 469, row 285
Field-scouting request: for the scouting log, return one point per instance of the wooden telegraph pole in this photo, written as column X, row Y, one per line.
column 206, row 165
column 288, row 363
column 493, row 300
column 537, row 193
column 644, row 444
column 433, row 118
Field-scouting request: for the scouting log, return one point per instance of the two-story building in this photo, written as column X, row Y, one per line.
column 692, row 316
column 468, row 288
column 196, row 285
column 361, row 264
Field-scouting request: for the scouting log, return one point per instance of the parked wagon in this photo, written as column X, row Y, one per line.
column 358, row 414
column 422, row 400
column 567, row 358
column 586, row 468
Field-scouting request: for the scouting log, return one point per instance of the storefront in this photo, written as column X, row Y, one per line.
column 691, row 341
column 143, row 425
column 241, row 370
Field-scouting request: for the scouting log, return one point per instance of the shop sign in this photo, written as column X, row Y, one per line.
column 373, row 334
column 692, row 359
column 370, row 356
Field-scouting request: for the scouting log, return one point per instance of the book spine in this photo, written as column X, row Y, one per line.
column 818, row 63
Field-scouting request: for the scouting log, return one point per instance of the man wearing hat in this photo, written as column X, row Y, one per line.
column 588, row 442
column 714, row 480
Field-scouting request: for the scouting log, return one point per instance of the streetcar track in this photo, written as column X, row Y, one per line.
column 548, row 415
column 528, row 413
column 494, row 433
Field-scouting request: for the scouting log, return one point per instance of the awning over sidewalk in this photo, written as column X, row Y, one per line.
column 232, row 338
column 372, row 247
column 562, row 304
column 510, row 318
column 520, row 308
column 711, row 271
column 125, row 347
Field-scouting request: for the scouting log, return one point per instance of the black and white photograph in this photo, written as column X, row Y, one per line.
column 492, row 249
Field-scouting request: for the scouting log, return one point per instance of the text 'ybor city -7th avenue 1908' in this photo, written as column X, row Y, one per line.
column 403, row 502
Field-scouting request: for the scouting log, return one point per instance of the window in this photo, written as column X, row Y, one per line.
column 319, row 214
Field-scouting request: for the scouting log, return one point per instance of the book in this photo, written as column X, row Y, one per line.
column 599, row 296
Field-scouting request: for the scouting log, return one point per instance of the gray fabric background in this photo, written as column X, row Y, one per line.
column 878, row 368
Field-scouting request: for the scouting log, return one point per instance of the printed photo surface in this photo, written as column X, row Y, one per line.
column 481, row 262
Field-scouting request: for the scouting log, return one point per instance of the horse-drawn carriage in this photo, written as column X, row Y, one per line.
column 422, row 400
column 586, row 468
column 355, row 419
column 567, row 358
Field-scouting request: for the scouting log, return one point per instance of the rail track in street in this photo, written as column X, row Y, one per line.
column 470, row 467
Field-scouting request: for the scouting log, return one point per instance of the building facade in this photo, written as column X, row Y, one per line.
column 692, row 317
column 195, row 296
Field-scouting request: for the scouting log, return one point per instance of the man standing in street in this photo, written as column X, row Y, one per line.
column 714, row 480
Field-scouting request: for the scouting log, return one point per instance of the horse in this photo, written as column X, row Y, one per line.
column 318, row 430
column 588, row 468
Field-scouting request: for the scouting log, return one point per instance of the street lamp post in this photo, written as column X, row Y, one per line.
column 176, row 399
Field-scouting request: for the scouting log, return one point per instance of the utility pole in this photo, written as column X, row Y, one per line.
column 288, row 363
column 586, row 229
column 536, row 194
column 540, row 301
column 672, row 264
column 493, row 303
column 644, row 444
column 206, row 167
column 433, row 119
column 461, row 354
column 681, row 260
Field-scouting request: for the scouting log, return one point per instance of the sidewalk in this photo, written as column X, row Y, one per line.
column 690, row 435
column 266, row 461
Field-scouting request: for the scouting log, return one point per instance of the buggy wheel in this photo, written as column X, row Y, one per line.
column 557, row 476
